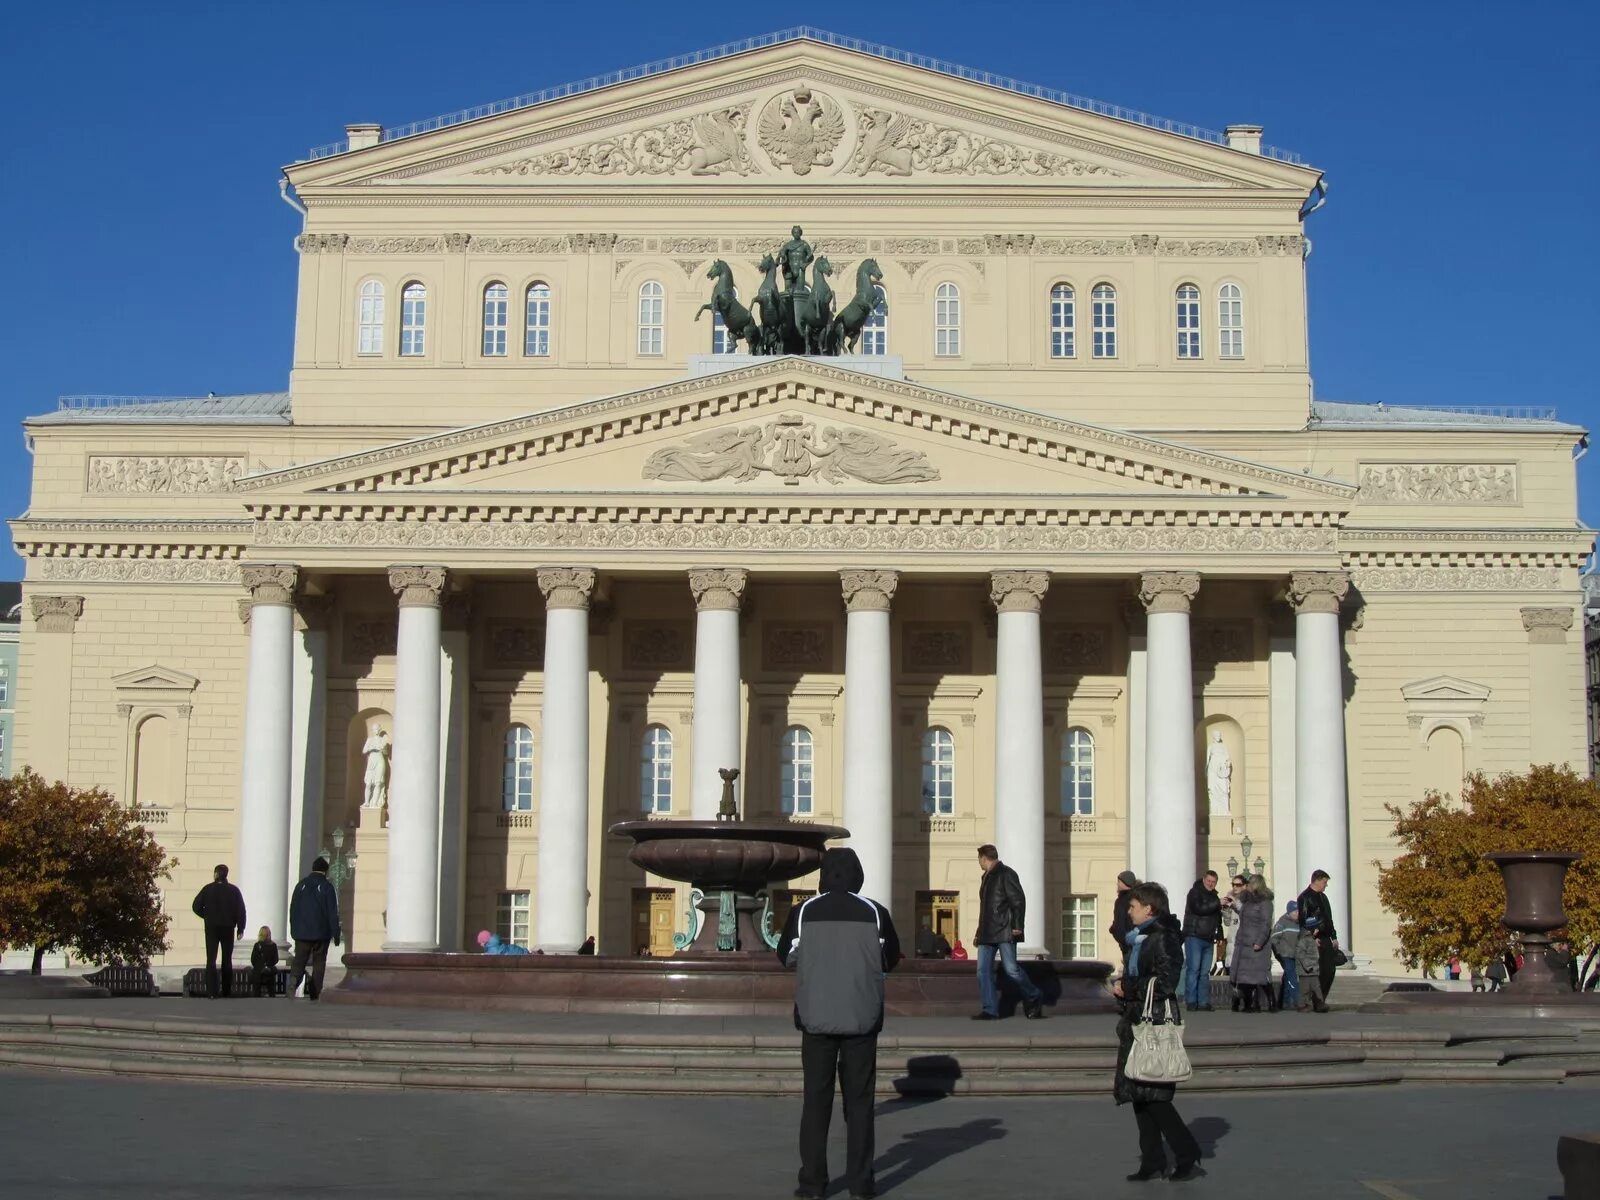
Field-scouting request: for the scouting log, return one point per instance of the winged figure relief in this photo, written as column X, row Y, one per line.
column 720, row 147
column 716, row 454
column 879, row 147
column 801, row 130
column 856, row 454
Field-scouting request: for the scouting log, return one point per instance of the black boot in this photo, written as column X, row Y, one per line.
column 1145, row 1174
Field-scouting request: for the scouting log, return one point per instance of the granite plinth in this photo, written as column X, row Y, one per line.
column 1511, row 1004
column 728, row 985
column 18, row 985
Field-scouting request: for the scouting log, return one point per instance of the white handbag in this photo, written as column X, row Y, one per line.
column 1157, row 1055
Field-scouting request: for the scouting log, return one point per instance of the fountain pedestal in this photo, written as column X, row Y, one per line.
column 1534, row 883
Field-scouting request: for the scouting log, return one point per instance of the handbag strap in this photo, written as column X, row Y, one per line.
column 1175, row 1015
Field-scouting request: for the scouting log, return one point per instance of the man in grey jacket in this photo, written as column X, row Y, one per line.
column 840, row 945
column 313, row 923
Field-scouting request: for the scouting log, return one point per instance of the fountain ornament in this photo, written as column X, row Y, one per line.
column 732, row 862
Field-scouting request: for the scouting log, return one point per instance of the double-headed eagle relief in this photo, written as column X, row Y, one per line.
column 801, row 130
column 800, row 317
column 790, row 448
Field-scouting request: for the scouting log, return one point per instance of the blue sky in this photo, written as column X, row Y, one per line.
column 148, row 251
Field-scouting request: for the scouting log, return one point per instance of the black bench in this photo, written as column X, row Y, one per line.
column 194, row 981
column 124, row 981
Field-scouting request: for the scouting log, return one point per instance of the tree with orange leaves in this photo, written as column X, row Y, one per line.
column 78, row 872
column 1449, row 899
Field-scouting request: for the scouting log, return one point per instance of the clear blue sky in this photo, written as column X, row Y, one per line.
column 147, row 250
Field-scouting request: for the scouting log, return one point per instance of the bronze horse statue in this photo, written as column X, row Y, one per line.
column 853, row 317
column 813, row 313
column 725, row 303
column 766, row 301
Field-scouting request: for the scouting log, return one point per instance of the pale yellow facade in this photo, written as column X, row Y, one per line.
column 1458, row 531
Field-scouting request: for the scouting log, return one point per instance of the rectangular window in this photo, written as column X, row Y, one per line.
column 413, row 321
column 947, row 321
column 511, row 918
column 1080, row 925
column 1105, row 322
column 496, row 318
column 537, row 342
column 1230, row 322
column 5, row 687
column 1063, row 321
column 370, row 339
column 652, row 319
column 1188, row 323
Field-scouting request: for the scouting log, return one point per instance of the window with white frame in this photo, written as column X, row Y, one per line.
column 1230, row 321
column 516, row 780
column 496, row 319
column 721, row 341
column 1080, row 926
column 511, row 913
column 1077, row 773
column 1188, row 321
column 1103, row 303
column 655, row 770
column 947, row 320
column 652, row 318
column 5, row 685
column 536, row 337
column 938, row 772
column 794, row 772
column 369, row 318
column 875, row 333
column 413, row 320
column 1063, row 321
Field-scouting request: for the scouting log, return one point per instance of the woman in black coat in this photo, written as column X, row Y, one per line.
column 1153, row 959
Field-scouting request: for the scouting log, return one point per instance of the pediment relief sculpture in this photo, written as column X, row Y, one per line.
column 900, row 145
column 790, row 448
column 710, row 143
column 801, row 129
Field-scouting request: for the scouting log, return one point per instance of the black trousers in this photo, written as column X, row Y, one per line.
column 854, row 1062
column 1325, row 954
column 1158, row 1120
column 317, row 953
column 219, row 938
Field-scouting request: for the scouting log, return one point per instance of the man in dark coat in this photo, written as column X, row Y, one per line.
column 1120, row 922
column 1316, row 915
column 221, row 906
column 1002, row 907
column 840, row 945
column 1202, row 930
column 313, row 923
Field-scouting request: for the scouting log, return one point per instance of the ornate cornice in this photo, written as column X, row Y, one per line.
column 1168, row 591
column 418, row 587
column 55, row 614
column 1443, row 578
column 718, row 587
column 1318, row 591
column 272, row 584
column 1018, row 591
column 1547, row 626
column 868, row 591
column 100, row 570
column 566, row 587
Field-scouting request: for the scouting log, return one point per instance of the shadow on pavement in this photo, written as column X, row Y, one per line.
column 1208, row 1131
column 928, row 1077
column 918, row 1151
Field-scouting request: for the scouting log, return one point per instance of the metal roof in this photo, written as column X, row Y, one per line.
column 1333, row 414
column 251, row 408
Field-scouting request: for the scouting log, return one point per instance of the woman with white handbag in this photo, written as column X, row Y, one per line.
column 1151, row 1061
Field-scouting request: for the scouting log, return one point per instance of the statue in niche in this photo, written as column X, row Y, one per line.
column 1219, row 776
column 376, row 780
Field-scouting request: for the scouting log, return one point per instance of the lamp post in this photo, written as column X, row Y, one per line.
column 341, row 866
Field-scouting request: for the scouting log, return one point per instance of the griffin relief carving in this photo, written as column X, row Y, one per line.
column 801, row 129
column 899, row 145
column 707, row 144
column 792, row 449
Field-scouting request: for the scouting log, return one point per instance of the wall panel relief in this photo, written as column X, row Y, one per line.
column 796, row 646
column 118, row 474
column 1218, row 642
column 1077, row 649
column 1438, row 483
column 368, row 636
column 936, row 647
column 514, row 644
column 658, row 645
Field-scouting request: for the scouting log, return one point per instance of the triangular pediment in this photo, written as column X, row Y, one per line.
column 805, row 115
column 804, row 427
column 1445, row 689
column 154, row 678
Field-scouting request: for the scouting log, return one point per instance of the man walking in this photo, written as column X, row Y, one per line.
column 1316, row 915
column 1121, row 922
column 1202, row 927
column 1001, row 909
column 221, row 906
column 840, row 945
column 313, row 923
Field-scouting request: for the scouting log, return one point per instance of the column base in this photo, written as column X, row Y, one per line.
column 410, row 947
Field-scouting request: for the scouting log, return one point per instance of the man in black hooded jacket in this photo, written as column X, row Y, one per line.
column 840, row 945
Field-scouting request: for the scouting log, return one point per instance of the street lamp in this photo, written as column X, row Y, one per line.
column 341, row 866
column 1245, row 846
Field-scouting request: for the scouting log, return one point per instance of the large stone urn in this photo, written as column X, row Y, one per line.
column 1534, row 882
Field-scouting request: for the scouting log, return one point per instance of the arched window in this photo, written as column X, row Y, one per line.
column 1063, row 321
column 652, row 318
column 536, row 341
column 369, row 318
column 938, row 772
column 1188, row 320
column 496, row 316
column 721, row 342
column 516, row 782
column 152, row 764
column 655, row 770
column 1077, row 773
column 947, row 320
column 413, row 320
column 1230, row 321
column 795, row 778
column 875, row 334
column 1103, row 302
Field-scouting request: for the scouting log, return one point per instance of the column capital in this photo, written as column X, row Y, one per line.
column 868, row 591
column 418, row 587
column 312, row 613
column 56, row 614
column 270, row 584
column 1318, row 591
column 1547, row 626
column 566, row 587
column 1168, row 591
column 718, row 587
column 1018, row 591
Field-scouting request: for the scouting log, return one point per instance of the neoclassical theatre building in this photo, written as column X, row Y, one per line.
column 1042, row 538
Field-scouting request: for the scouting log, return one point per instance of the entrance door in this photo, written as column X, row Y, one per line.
column 940, row 912
column 653, row 921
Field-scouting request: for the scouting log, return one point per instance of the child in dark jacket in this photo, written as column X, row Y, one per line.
column 263, row 963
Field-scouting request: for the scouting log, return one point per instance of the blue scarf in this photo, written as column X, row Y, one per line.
column 1135, row 939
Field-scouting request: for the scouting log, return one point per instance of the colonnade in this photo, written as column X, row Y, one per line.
column 1171, row 850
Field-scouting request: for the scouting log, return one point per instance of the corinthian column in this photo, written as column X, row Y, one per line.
column 1321, row 808
column 564, row 763
column 868, row 730
column 1019, row 739
column 1169, row 729
column 413, row 920
column 49, row 717
column 715, row 744
column 268, row 745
